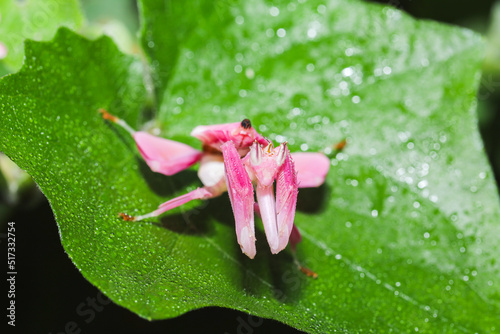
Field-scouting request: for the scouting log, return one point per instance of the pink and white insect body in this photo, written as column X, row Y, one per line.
column 237, row 159
column 264, row 166
column 243, row 135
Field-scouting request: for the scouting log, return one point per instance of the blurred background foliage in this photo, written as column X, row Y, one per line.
column 50, row 289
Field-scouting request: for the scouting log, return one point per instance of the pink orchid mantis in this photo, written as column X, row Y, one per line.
column 237, row 159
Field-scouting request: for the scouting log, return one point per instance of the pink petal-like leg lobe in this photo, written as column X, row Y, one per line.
column 267, row 206
column 311, row 168
column 240, row 192
column 165, row 156
column 286, row 199
column 199, row 193
column 162, row 155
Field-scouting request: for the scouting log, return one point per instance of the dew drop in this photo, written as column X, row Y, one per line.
column 311, row 33
column 250, row 74
column 239, row 57
column 422, row 184
column 274, row 11
column 239, row 19
column 347, row 72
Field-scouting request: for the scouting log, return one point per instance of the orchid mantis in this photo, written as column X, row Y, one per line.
column 237, row 159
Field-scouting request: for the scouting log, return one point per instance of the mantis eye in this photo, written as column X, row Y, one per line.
column 246, row 124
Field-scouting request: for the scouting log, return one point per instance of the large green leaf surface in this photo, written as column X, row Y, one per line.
column 404, row 233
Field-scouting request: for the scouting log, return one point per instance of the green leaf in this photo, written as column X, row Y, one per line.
column 403, row 235
column 34, row 19
column 179, row 19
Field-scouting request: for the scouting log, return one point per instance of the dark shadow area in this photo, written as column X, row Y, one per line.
column 258, row 266
column 192, row 222
column 490, row 132
column 147, row 114
column 164, row 185
column 287, row 278
column 220, row 209
column 313, row 200
column 450, row 11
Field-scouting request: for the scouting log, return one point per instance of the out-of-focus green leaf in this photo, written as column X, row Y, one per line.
column 33, row 19
column 114, row 18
